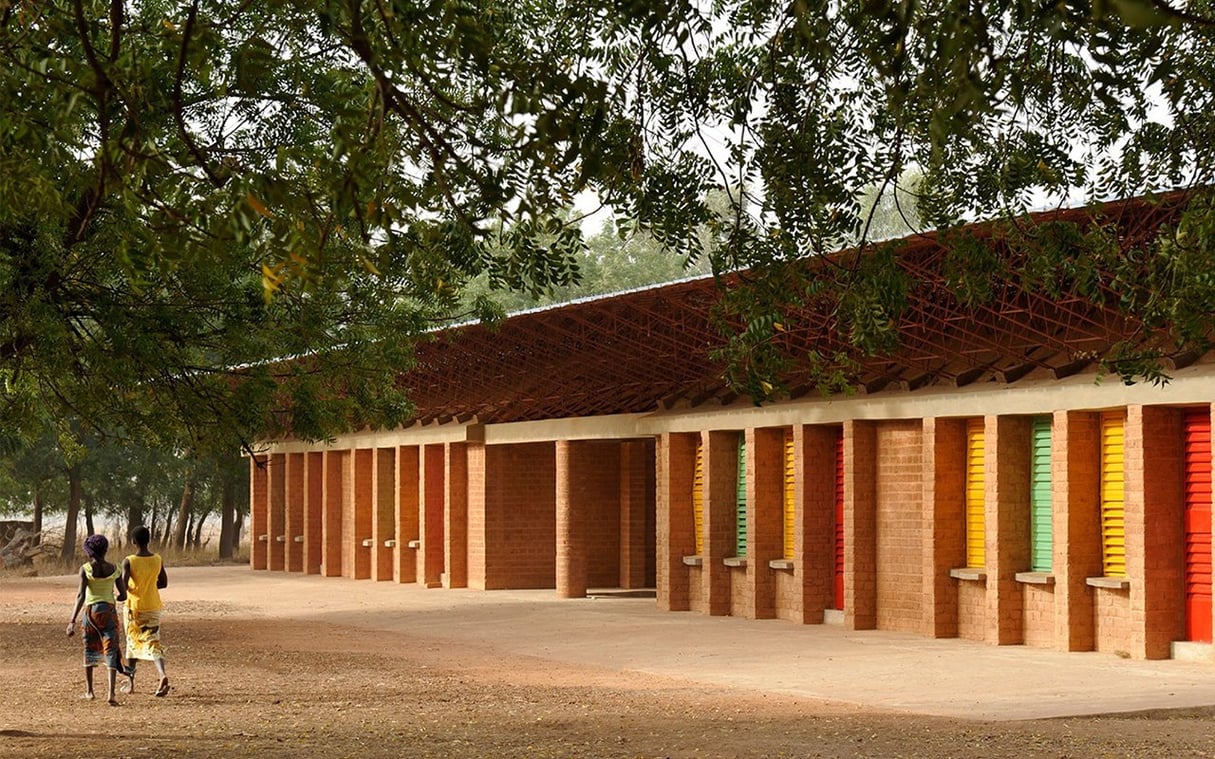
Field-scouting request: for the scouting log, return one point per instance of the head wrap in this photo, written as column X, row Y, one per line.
column 95, row 547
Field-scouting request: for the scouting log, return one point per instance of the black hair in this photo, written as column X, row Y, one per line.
column 141, row 535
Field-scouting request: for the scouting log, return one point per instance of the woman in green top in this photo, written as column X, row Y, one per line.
column 99, row 579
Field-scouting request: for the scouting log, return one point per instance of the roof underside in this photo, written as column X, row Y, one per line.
column 650, row 349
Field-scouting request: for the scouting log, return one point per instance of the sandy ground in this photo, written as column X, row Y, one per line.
column 273, row 676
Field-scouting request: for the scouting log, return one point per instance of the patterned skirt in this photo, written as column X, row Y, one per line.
column 101, row 644
column 143, row 634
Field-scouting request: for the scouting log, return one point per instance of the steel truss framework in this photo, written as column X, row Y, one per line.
column 650, row 349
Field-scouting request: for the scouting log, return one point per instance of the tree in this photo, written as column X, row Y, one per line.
column 193, row 191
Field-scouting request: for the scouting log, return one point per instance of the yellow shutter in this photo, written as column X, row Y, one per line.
column 976, row 469
column 698, row 498
column 788, row 495
column 1113, row 513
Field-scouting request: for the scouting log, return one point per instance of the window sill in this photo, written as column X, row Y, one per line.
column 414, row 544
column 281, row 539
column 1035, row 578
column 368, row 542
column 693, row 561
column 1112, row 583
column 735, row 561
column 973, row 574
column 781, row 564
column 298, row 539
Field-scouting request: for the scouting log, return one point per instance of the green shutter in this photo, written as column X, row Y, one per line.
column 740, row 519
column 1041, row 541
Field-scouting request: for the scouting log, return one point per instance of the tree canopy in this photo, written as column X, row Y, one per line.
column 192, row 192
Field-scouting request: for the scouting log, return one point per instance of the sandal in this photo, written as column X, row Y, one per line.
column 163, row 690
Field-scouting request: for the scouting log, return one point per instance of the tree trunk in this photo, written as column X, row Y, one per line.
column 183, row 512
column 134, row 516
column 90, row 528
column 196, row 539
column 38, row 506
column 73, row 514
column 237, row 527
column 227, row 515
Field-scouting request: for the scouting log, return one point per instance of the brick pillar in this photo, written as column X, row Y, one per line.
column 720, row 519
column 356, row 512
column 277, row 518
column 1076, row 523
column 383, row 512
column 637, row 489
column 405, row 563
column 430, row 515
column 314, row 499
column 765, row 518
column 1154, row 529
column 293, row 526
column 571, row 527
column 1007, row 461
column 259, row 510
column 944, row 459
column 674, row 461
column 814, row 512
column 333, row 504
column 860, row 525
column 455, row 515
column 478, row 538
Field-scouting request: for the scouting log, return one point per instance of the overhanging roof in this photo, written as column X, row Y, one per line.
column 648, row 349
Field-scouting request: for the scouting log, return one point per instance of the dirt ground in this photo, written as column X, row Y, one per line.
column 286, row 685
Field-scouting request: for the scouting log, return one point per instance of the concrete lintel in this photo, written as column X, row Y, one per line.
column 615, row 427
column 1192, row 384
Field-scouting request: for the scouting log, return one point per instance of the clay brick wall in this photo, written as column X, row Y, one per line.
column 1038, row 615
column 1007, row 523
column 674, row 461
column 521, row 516
column 333, row 497
column 741, row 596
column 356, row 515
column 405, row 560
column 430, row 515
column 1076, row 523
column 860, row 525
column 259, row 510
column 383, row 514
column 972, row 610
column 314, row 482
column 587, row 516
column 476, row 539
column 720, row 519
column 787, row 588
column 1114, row 626
column 814, row 452
column 899, row 496
column 1154, row 530
column 293, row 526
column 455, row 514
column 765, row 522
column 595, row 491
column 944, row 521
column 638, row 516
column 276, row 520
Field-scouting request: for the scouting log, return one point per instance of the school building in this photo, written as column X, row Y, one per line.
column 983, row 482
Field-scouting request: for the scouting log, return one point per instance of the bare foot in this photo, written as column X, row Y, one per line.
column 129, row 685
column 113, row 702
column 88, row 695
column 163, row 689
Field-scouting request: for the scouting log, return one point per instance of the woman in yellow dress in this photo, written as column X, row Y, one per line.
column 144, row 575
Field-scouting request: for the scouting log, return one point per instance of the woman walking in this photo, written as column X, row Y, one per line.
column 144, row 575
column 102, row 586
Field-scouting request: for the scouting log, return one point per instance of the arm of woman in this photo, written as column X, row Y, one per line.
column 162, row 579
column 84, row 584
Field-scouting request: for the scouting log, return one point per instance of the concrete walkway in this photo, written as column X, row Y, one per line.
column 873, row 669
